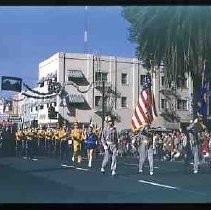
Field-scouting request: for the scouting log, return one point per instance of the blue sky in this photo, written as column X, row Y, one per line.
column 31, row 34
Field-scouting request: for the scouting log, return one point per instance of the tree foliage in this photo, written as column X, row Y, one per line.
column 178, row 37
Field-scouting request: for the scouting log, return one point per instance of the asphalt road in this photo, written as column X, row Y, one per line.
column 47, row 181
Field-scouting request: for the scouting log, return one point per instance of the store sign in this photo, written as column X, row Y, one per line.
column 75, row 74
column 15, row 120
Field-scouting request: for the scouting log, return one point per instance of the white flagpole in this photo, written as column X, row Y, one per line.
column 86, row 31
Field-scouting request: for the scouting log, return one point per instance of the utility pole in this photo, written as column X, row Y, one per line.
column 103, row 104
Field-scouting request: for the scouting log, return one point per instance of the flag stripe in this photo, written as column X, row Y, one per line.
column 146, row 104
column 141, row 112
column 150, row 107
column 137, row 117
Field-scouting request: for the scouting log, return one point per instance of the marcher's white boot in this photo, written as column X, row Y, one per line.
column 90, row 163
column 113, row 172
column 102, row 170
column 73, row 158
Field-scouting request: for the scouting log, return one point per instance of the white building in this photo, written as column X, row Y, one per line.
column 123, row 79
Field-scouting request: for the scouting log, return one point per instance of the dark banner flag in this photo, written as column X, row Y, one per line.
column 202, row 103
column 11, row 83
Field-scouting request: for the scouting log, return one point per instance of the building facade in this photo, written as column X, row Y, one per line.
column 88, row 80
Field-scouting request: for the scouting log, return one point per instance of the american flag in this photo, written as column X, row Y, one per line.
column 145, row 110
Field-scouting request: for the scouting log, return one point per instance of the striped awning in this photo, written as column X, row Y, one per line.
column 76, row 99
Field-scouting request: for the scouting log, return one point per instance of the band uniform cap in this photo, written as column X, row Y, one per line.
column 196, row 121
column 108, row 119
column 75, row 123
column 91, row 125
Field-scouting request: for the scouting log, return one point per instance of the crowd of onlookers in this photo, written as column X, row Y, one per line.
column 167, row 145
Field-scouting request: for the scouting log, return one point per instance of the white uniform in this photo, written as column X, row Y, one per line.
column 145, row 150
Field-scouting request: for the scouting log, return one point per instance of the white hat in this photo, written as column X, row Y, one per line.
column 91, row 125
column 108, row 119
column 195, row 121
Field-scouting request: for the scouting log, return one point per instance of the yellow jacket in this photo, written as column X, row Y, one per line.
column 56, row 134
column 77, row 135
column 48, row 134
column 62, row 134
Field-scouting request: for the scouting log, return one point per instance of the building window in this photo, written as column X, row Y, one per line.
column 42, row 84
column 182, row 104
column 36, row 108
column 54, row 104
column 182, row 83
column 31, row 109
column 101, row 76
column 162, row 81
column 142, row 78
column 124, row 79
column 98, row 100
column 163, row 103
column 124, row 102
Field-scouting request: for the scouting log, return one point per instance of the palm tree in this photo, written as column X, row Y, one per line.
column 178, row 37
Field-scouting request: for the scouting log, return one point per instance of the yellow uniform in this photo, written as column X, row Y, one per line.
column 62, row 134
column 77, row 137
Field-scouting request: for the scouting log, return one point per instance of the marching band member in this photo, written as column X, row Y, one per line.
column 19, row 138
column 90, row 143
column 48, row 139
column 187, row 152
column 57, row 142
column 145, row 148
column 77, row 137
column 41, row 140
column 24, row 143
column 34, row 142
column 29, row 136
column 109, row 140
column 63, row 142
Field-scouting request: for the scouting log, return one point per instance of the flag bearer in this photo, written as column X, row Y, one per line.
column 145, row 148
column 109, row 140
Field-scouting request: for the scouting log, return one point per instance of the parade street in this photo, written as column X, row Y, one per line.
column 47, row 181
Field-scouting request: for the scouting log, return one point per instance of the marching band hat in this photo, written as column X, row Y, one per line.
column 91, row 125
column 75, row 123
column 196, row 121
column 108, row 119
